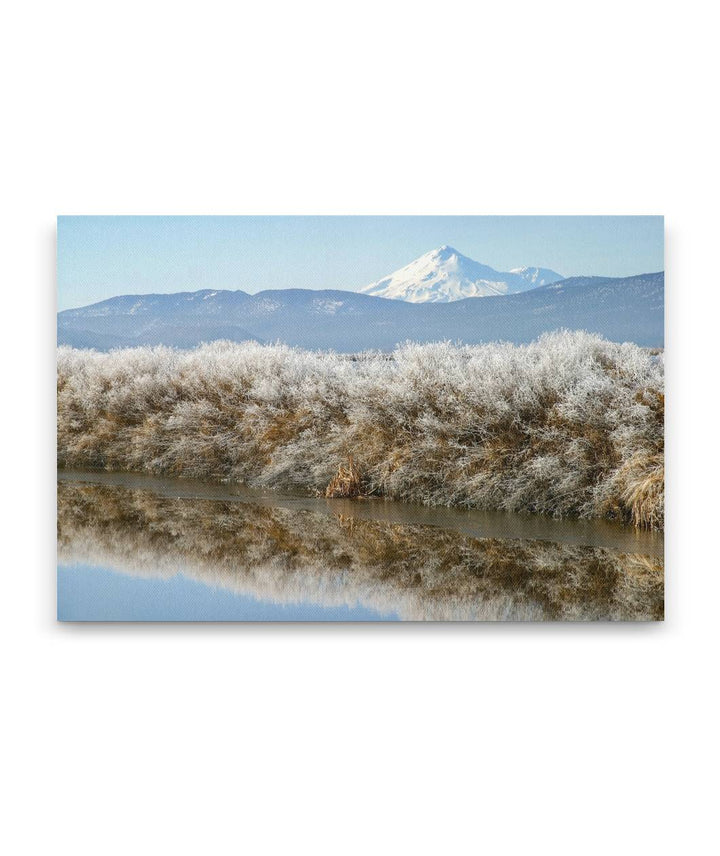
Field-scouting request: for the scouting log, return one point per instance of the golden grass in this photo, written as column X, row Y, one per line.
column 348, row 482
column 644, row 495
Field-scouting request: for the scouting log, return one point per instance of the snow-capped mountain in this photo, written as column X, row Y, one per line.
column 444, row 275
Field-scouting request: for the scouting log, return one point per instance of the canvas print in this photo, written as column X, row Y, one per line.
column 360, row 418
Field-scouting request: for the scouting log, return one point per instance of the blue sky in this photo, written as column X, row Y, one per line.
column 99, row 257
column 90, row 593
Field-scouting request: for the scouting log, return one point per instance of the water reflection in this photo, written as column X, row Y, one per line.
column 474, row 522
column 286, row 555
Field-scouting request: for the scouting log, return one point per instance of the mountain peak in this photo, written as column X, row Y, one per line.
column 444, row 254
column 444, row 274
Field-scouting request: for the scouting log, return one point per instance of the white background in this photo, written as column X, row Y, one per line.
column 354, row 739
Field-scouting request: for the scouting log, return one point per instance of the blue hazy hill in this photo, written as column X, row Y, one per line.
column 621, row 309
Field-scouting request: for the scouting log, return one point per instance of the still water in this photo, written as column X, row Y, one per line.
column 134, row 548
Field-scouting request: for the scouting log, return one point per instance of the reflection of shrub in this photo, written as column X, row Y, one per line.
column 290, row 555
column 568, row 425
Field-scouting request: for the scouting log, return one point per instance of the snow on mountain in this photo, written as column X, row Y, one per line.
column 444, row 275
column 537, row 276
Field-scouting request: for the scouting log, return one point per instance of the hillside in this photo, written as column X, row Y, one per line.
column 620, row 309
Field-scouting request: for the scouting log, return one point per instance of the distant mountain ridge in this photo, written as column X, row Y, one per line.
column 444, row 275
column 621, row 309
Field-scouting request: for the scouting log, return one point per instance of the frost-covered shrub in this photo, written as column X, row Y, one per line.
column 568, row 425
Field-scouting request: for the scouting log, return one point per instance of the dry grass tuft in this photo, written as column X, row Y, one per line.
column 348, row 482
column 644, row 495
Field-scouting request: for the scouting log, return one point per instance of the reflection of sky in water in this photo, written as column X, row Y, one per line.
column 89, row 593
column 131, row 554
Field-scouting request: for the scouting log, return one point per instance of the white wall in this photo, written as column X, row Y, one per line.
column 408, row 739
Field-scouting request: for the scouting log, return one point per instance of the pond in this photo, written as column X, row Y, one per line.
column 140, row 548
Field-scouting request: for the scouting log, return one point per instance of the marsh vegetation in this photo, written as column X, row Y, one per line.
column 570, row 425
